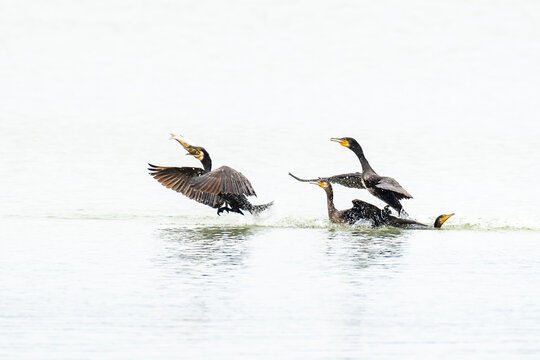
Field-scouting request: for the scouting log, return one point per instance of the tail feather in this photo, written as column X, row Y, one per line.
column 256, row 209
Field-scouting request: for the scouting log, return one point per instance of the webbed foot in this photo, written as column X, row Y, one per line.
column 237, row 210
column 403, row 213
column 222, row 209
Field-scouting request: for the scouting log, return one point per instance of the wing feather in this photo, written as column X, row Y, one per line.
column 351, row 180
column 223, row 180
column 388, row 183
column 180, row 180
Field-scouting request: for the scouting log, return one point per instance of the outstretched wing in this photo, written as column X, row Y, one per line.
column 179, row 179
column 351, row 180
column 223, row 180
column 388, row 183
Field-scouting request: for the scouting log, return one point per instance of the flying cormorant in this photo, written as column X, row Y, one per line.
column 385, row 188
column 224, row 188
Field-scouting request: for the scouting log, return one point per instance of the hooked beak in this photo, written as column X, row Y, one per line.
column 442, row 219
column 318, row 183
column 341, row 141
column 446, row 217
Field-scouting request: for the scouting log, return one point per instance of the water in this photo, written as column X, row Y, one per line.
column 99, row 261
column 137, row 289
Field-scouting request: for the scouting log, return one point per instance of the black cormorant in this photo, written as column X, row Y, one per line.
column 385, row 188
column 362, row 210
column 223, row 188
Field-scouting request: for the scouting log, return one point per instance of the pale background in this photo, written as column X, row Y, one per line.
column 98, row 260
column 443, row 97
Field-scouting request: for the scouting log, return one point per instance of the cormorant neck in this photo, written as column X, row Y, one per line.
column 207, row 162
column 330, row 200
column 357, row 149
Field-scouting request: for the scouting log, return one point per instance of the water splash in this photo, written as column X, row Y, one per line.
column 274, row 221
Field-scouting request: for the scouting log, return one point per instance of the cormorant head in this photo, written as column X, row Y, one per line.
column 441, row 220
column 346, row 141
column 198, row 152
column 202, row 155
column 321, row 182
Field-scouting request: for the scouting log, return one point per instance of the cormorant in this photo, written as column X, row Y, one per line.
column 224, row 188
column 362, row 210
column 385, row 188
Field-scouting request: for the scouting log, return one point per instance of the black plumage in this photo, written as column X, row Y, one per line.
column 385, row 188
column 363, row 211
column 223, row 188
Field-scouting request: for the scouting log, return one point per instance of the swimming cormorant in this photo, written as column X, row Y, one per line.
column 362, row 210
column 385, row 188
column 224, row 188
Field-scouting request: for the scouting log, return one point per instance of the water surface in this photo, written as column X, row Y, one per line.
column 137, row 289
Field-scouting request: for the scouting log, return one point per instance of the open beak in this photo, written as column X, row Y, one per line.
column 341, row 141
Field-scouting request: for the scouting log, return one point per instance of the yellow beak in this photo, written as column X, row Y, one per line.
column 442, row 219
column 446, row 217
column 319, row 183
column 341, row 141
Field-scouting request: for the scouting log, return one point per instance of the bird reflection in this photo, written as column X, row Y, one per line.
column 199, row 249
column 364, row 247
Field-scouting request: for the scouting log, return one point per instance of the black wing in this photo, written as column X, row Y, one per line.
column 365, row 206
column 388, row 183
column 367, row 211
column 351, row 180
column 223, row 180
column 180, row 180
